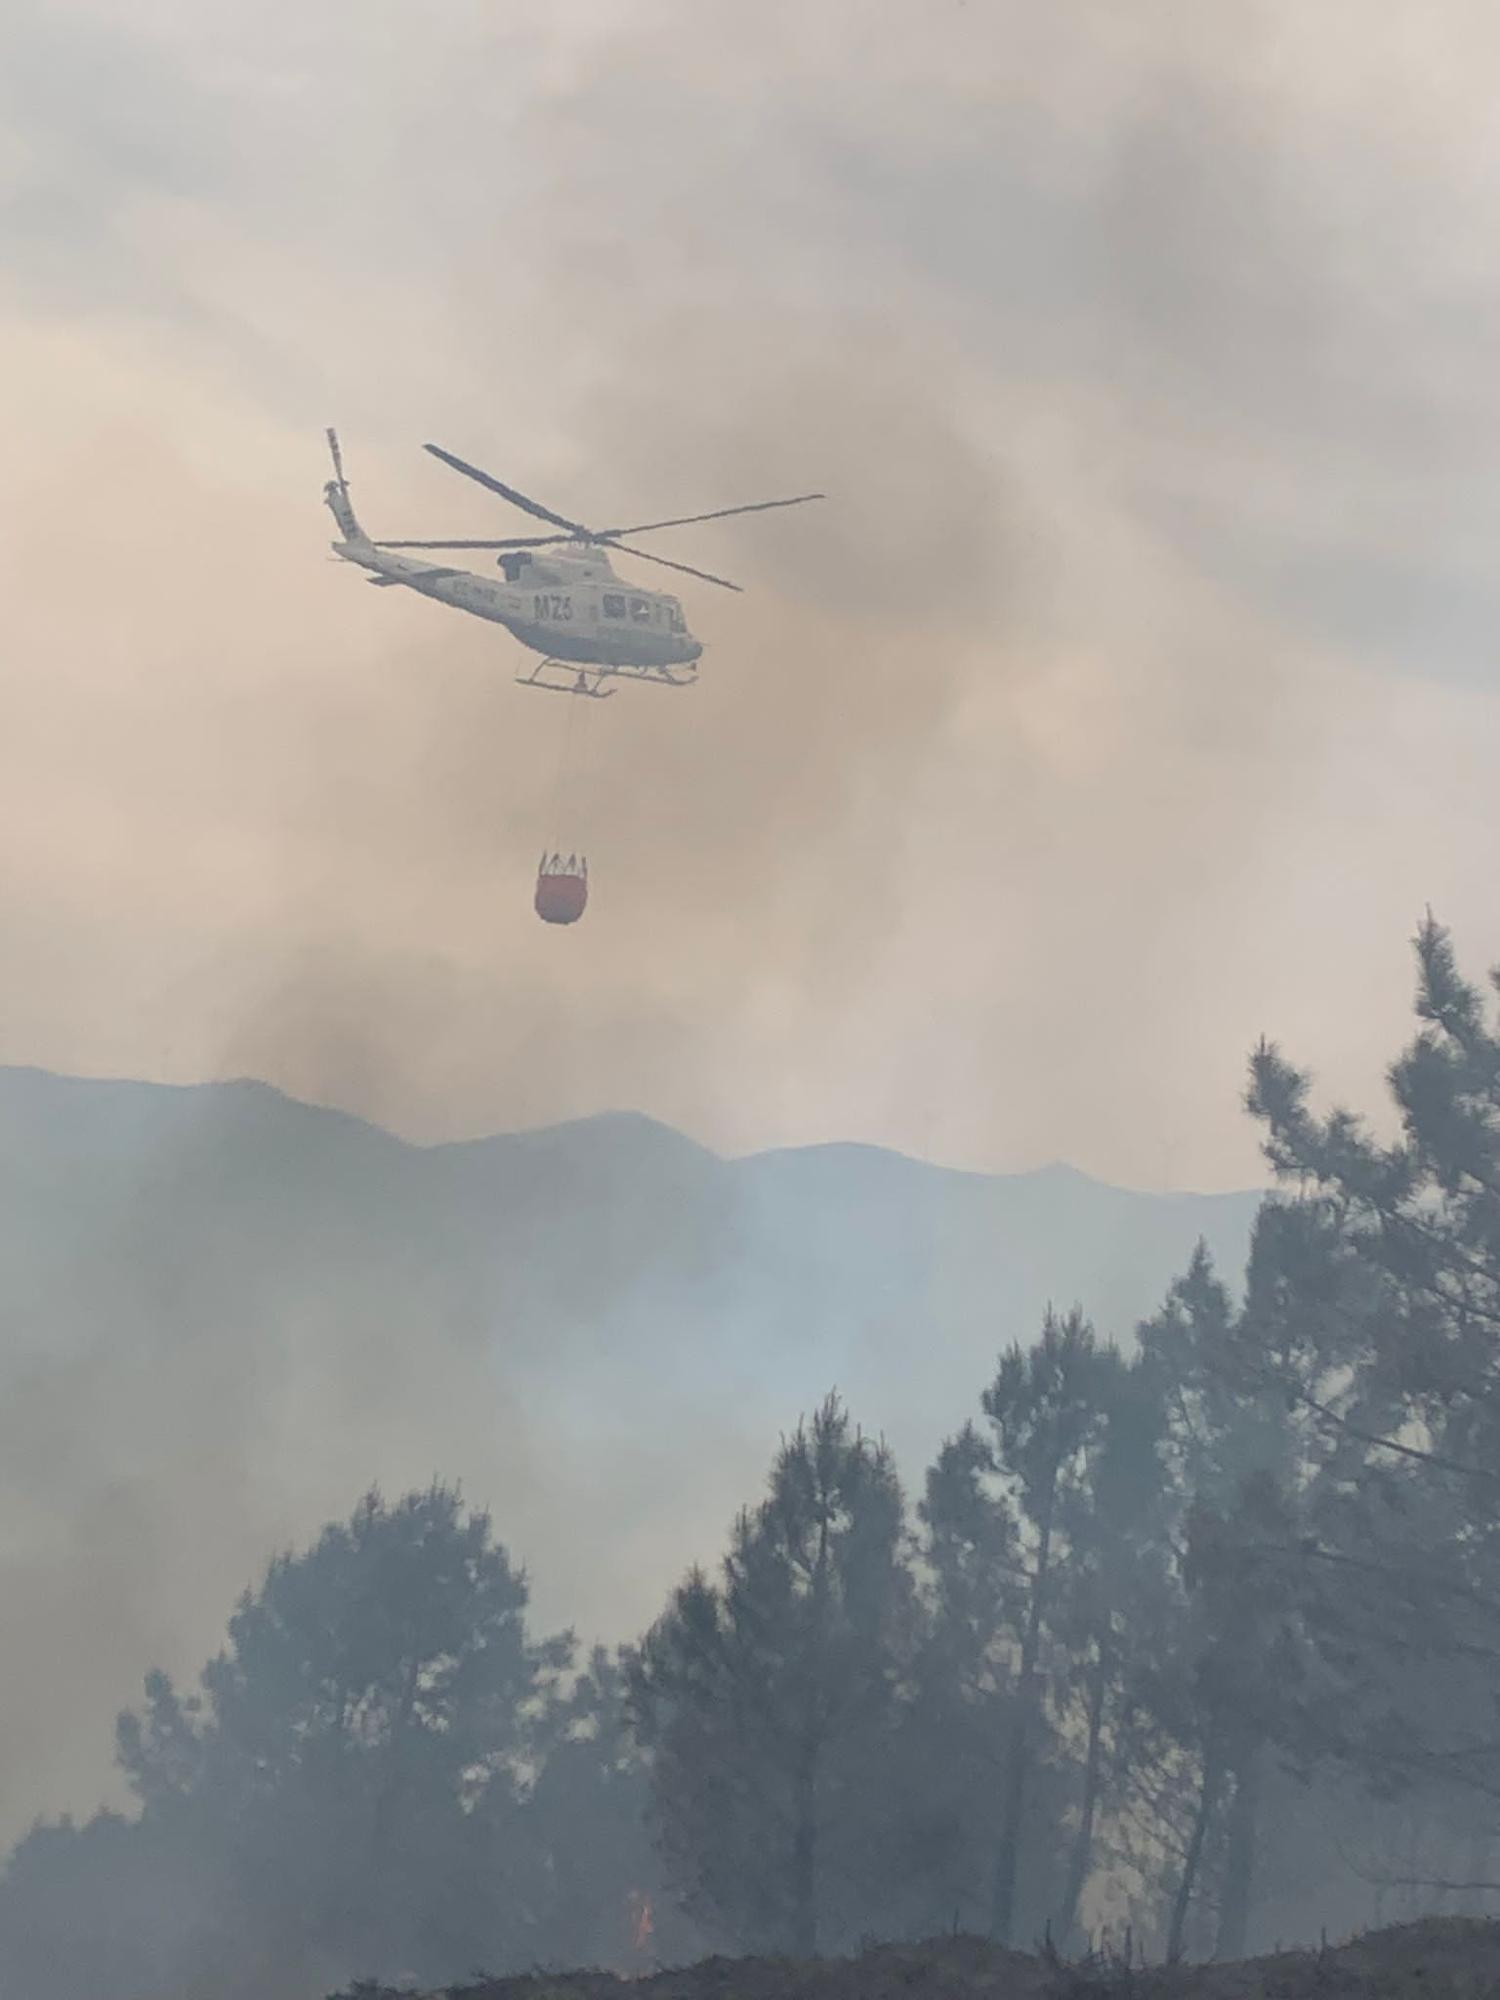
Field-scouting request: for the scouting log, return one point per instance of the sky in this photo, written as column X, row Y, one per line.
column 1130, row 696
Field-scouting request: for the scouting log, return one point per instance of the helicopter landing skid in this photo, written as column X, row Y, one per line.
column 562, row 677
column 578, row 680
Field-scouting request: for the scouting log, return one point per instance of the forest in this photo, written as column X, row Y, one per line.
column 1189, row 1635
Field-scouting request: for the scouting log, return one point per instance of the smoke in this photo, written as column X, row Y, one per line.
column 1054, row 758
column 229, row 1315
column 1126, row 356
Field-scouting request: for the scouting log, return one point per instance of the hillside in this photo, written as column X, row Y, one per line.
column 226, row 1313
column 1439, row 1959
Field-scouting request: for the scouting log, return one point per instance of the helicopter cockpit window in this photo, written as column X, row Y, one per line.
column 640, row 610
column 614, row 604
column 675, row 618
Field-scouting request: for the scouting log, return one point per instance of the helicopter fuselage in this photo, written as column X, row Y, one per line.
column 567, row 605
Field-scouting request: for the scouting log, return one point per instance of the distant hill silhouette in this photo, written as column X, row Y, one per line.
column 224, row 1313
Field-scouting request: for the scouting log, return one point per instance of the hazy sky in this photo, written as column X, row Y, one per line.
column 1131, row 695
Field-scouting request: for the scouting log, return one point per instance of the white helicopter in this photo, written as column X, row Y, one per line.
column 567, row 604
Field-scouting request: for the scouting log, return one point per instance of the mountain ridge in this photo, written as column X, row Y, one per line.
column 613, row 1119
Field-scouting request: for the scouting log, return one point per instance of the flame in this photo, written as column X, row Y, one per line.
column 642, row 1922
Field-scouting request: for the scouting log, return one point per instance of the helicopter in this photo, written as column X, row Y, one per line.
column 557, row 593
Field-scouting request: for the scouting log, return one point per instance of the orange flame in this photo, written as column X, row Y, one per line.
column 642, row 1922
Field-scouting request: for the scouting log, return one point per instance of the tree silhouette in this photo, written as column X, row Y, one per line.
column 375, row 1692
column 766, row 1700
column 1044, row 1408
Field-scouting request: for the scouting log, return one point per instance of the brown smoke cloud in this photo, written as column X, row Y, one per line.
column 1046, row 714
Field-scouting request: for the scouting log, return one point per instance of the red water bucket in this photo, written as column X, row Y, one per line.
column 562, row 890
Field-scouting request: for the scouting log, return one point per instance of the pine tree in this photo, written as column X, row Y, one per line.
column 1113, row 1597
column 595, row 1884
column 1216, row 1678
column 1377, row 1324
column 1044, row 1408
column 766, row 1701
column 376, row 1689
column 977, row 1588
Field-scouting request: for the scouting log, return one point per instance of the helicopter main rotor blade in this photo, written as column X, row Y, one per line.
column 704, row 575
column 718, row 514
column 500, row 542
column 506, row 492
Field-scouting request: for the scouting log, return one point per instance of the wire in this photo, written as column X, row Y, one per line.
column 572, row 775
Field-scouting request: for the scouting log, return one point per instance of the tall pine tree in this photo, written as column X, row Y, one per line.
column 767, row 1701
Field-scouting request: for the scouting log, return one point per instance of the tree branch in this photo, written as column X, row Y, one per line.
column 1433, row 1458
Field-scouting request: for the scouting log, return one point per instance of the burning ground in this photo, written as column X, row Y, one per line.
column 1453, row 1958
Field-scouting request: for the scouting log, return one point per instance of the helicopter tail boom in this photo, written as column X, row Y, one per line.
column 336, row 495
